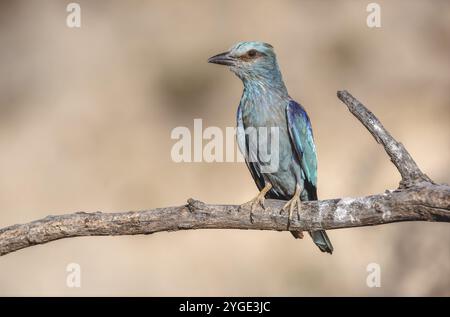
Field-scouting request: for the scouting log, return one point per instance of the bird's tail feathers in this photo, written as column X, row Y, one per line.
column 321, row 239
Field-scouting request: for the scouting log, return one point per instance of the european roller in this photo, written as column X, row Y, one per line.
column 265, row 103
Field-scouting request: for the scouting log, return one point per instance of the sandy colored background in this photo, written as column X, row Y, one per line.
column 86, row 116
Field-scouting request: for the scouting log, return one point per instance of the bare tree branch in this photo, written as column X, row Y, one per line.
column 417, row 199
column 408, row 169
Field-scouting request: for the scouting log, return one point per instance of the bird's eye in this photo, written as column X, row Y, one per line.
column 252, row 53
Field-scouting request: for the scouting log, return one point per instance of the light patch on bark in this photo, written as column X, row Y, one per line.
column 386, row 214
column 342, row 210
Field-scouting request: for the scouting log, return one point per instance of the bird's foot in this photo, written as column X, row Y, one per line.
column 290, row 206
column 257, row 201
column 254, row 203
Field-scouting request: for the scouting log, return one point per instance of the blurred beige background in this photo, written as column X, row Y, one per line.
column 86, row 116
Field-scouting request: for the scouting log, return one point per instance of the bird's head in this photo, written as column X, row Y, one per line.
column 250, row 61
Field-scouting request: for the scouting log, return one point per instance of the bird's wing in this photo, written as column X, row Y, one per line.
column 301, row 134
column 243, row 147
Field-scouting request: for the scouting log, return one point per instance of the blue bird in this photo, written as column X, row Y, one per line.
column 265, row 103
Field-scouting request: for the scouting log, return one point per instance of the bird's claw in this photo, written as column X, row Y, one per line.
column 291, row 204
column 253, row 205
column 258, row 200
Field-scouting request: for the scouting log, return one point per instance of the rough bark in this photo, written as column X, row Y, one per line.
column 416, row 199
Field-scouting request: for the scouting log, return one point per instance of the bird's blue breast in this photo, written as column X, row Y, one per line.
column 262, row 109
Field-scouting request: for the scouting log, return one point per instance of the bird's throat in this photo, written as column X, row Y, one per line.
column 264, row 92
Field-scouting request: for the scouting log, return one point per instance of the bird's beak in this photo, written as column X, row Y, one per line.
column 222, row 59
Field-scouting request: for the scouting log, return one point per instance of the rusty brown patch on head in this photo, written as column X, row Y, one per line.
column 251, row 55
